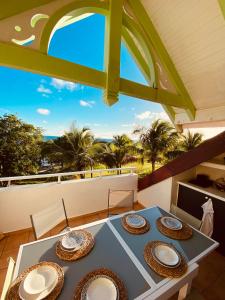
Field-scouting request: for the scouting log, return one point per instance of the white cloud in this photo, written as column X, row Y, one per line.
column 150, row 115
column 87, row 103
column 42, row 89
column 45, row 122
column 129, row 125
column 60, row 84
column 43, row 111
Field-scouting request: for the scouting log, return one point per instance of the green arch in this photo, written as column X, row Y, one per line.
column 133, row 27
column 99, row 7
column 81, row 7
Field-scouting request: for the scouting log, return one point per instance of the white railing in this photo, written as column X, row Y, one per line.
column 59, row 176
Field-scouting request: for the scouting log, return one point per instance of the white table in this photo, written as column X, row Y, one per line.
column 109, row 234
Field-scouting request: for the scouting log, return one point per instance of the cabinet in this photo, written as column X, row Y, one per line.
column 191, row 200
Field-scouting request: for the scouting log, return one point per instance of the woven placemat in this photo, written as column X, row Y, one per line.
column 83, row 251
column 102, row 271
column 13, row 291
column 183, row 234
column 160, row 269
column 132, row 230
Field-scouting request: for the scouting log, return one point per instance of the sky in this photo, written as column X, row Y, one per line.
column 53, row 104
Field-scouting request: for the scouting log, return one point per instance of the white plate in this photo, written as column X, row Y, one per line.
column 166, row 255
column 101, row 287
column 135, row 221
column 39, row 283
column 171, row 223
column 72, row 240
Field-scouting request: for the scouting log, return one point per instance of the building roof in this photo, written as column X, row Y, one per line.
column 178, row 45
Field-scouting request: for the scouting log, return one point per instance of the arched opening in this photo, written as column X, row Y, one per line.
column 84, row 42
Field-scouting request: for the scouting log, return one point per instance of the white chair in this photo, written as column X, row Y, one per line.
column 8, row 277
column 186, row 217
column 120, row 201
column 47, row 219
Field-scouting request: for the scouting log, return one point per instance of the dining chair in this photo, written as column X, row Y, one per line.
column 8, row 277
column 120, row 201
column 186, row 217
column 47, row 219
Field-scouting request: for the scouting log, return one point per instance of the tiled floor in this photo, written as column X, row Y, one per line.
column 208, row 285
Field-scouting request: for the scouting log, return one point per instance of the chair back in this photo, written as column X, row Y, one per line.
column 8, row 278
column 120, row 201
column 45, row 220
column 186, row 217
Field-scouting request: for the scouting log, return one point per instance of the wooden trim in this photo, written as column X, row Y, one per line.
column 205, row 151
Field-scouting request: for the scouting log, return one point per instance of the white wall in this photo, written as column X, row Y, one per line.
column 158, row 194
column 81, row 197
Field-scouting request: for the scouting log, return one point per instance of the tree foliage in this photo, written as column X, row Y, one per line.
column 157, row 140
column 19, row 147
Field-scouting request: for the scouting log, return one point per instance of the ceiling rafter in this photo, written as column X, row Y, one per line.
column 162, row 53
column 118, row 23
column 20, row 57
column 222, row 6
column 113, row 32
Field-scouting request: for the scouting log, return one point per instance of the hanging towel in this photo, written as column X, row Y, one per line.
column 207, row 219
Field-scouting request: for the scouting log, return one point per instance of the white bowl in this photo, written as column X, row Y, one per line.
column 101, row 288
column 39, row 280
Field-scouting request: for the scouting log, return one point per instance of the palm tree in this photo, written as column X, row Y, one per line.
column 191, row 140
column 76, row 147
column 157, row 140
column 116, row 153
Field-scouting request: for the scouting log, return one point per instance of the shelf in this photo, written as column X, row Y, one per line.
column 210, row 191
column 215, row 165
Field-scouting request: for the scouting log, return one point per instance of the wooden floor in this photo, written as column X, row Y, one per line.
column 209, row 284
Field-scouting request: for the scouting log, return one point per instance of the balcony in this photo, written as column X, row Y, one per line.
column 86, row 202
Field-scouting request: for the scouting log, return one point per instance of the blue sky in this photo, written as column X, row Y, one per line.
column 54, row 104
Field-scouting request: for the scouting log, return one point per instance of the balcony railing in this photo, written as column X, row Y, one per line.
column 58, row 176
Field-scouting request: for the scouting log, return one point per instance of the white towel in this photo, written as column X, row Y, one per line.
column 207, row 219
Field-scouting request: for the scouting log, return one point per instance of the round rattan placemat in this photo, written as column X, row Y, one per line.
column 160, row 269
column 183, row 234
column 133, row 230
column 13, row 292
column 102, row 271
column 83, row 251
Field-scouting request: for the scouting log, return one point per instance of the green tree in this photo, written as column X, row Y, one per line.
column 116, row 153
column 75, row 147
column 157, row 140
column 19, row 147
column 190, row 140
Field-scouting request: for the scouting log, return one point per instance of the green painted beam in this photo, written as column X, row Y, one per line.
column 222, row 6
column 27, row 59
column 136, row 54
column 113, row 32
column 15, row 7
column 174, row 99
column 145, row 92
column 20, row 57
column 170, row 112
column 147, row 26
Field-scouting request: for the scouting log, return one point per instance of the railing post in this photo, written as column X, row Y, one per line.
column 9, row 183
column 59, row 179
